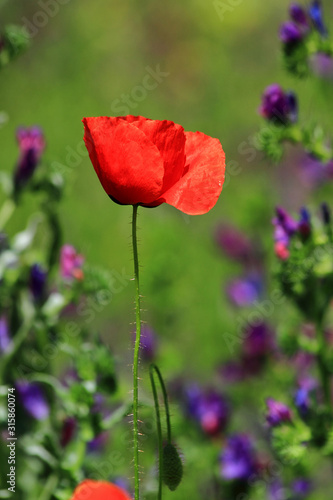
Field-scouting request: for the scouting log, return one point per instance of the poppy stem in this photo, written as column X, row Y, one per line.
column 136, row 353
column 159, row 431
column 154, row 368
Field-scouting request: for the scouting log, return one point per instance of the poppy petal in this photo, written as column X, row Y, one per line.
column 129, row 166
column 99, row 490
column 169, row 138
column 201, row 184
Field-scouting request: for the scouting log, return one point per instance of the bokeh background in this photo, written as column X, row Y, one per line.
column 83, row 60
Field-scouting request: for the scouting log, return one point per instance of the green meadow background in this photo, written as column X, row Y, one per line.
column 82, row 61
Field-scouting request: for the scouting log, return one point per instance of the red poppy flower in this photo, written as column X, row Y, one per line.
column 150, row 162
column 99, row 490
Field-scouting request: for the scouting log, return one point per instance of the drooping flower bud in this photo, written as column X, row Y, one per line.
column 172, row 467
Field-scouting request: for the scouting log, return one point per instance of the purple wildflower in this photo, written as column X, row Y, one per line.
column 33, row 400
column 245, row 291
column 285, row 221
column 148, row 344
column 302, row 398
column 5, row 340
column 291, row 33
column 238, row 460
column 302, row 487
column 298, row 14
column 326, row 213
column 276, row 490
column 234, row 243
column 278, row 413
column 316, row 15
column 209, row 408
column 322, row 65
column 98, row 443
column 284, row 228
column 37, row 282
column 259, row 341
column 304, row 224
column 278, row 106
column 71, row 263
column 31, row 144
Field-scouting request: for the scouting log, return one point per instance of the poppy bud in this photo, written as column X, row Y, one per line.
column 172, row 467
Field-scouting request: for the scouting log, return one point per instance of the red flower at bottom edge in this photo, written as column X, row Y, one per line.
column 99, row 490
column 150, row 162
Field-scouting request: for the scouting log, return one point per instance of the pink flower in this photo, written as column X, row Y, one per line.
column 71, row 263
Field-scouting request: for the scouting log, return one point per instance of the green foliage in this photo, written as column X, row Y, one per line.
column 13, row 42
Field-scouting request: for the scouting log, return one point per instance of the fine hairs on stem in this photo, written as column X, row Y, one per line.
column 136, row 353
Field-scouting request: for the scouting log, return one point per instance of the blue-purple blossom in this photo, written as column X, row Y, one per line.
column 98, row 443
column 322, row 65
column 316, row 15
column 302, row 487
column 33, row 400
column 148, row 344
column 209, row 408
column 276, row 491
column 31, row 144
column 278, row 106
column 5, row 340
column 304, row 224
column 234, row 243
column 298, row 14
column 238, row 459
column 278, row 413
column 302, row 398
column 285, row 226
column 302, row 401
column 259, row 340
column 326, row 213
column 243, row 292
column 37, row 283
column 291, row 33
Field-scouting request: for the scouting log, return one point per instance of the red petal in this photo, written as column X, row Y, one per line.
column 99, row 490
column 129, row 166
column 169, row 138
column 200, row 187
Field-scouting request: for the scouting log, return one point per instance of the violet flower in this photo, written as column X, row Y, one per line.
column 209, row 408
column 322, row 65
column 238, row 460
column 233, row 243
column 302, row 487
column 278, row 106
column 31, row 144
column 148, row 344
column 316, row 15
column 33, row 399
column 278, row 413
column 5, row 340
column 38, row 282
column 243, row 292
column 98, row 443
column 259, row 341
column 298, row 14
column 291, row 33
